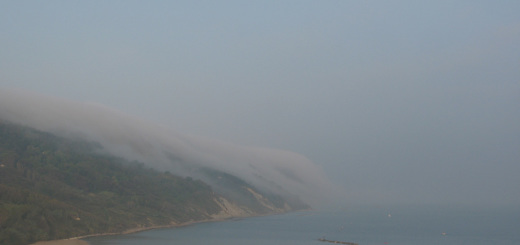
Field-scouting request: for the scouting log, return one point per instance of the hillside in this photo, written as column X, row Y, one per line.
column 54, row 188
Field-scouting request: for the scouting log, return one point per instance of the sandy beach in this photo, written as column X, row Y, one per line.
column 63, row 242
column 77, row 241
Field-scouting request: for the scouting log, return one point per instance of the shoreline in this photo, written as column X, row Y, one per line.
column 79, row 239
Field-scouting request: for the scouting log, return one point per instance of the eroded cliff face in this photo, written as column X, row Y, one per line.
column 229, row 209
column 268, row 204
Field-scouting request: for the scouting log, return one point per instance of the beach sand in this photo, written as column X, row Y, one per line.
column 77, row 241
column 63, row 242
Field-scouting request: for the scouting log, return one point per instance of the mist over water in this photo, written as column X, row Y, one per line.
column 123, row 135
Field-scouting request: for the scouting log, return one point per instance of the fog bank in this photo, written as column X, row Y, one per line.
column 159, row 147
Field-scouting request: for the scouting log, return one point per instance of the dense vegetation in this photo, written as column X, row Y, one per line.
column 52, row 188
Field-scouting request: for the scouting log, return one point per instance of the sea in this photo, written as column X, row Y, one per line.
column 403, row 225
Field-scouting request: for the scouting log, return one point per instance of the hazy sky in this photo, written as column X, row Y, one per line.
column 398, row 101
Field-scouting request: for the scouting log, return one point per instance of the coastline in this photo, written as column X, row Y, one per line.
column 79, row 240
column 71, row 241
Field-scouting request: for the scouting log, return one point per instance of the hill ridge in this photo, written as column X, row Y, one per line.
column 54, row 188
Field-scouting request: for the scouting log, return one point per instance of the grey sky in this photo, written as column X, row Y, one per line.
column 398, row 101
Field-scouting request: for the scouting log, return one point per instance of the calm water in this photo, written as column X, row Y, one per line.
column 366, row 226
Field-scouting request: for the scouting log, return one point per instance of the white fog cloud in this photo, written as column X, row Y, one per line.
column 154, row 145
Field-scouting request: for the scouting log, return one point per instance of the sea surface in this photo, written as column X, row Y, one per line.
column 365, row 226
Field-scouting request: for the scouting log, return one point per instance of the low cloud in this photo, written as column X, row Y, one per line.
column 157, row 146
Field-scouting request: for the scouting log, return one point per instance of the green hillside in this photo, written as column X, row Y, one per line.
column 53, row 188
